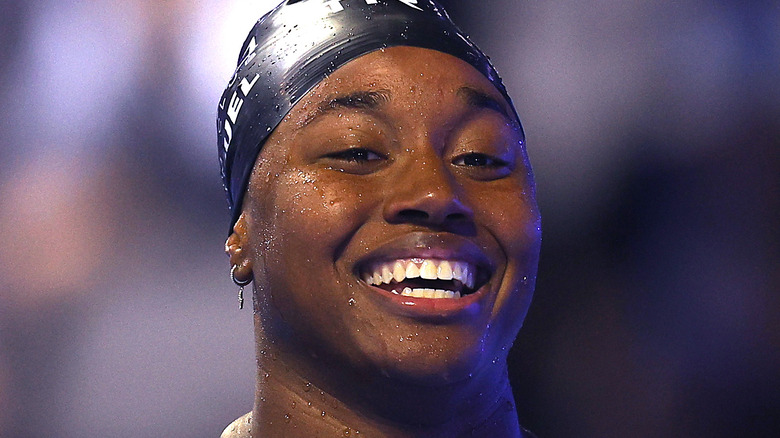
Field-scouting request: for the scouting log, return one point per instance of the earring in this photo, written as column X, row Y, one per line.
column 240, row 284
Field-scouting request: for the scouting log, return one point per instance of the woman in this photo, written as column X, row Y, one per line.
column 384, row 209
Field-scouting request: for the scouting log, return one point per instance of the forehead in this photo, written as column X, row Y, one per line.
column 404, row 75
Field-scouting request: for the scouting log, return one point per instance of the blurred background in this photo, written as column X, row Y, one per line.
column 654, row 130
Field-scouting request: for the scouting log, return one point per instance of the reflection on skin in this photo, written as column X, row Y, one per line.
column 404, row 154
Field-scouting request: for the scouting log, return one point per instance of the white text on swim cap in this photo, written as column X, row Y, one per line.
column 234, row 107
column 236, row 102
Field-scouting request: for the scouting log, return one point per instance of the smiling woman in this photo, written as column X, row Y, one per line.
column 384, row 209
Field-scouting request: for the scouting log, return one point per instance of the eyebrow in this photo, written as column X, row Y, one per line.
column 479, row 99
column 365, row 100
column 372, row 100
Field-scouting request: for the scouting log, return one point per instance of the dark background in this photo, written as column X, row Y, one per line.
column 654, row 131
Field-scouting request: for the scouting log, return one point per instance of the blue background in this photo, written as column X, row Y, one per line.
column 654, row 131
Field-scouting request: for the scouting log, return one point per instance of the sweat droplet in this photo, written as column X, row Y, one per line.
column 351, row 301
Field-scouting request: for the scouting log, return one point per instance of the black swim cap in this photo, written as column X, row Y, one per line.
column 297, row 45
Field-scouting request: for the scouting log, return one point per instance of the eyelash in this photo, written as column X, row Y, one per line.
column 486, row 161
column 361, row 161
column 356, row 155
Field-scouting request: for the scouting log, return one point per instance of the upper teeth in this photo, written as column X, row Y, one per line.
column 426, row 269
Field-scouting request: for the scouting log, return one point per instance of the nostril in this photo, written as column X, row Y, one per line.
column 413, row 215
column 457, row 217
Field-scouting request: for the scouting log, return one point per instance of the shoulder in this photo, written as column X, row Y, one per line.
column 239, row 428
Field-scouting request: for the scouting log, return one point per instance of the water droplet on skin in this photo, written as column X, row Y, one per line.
column 286, row 418
column 322, row 414
column 307, row 388
column 351, row 301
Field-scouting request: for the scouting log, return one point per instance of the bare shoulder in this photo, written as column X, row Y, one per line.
column 239, row 428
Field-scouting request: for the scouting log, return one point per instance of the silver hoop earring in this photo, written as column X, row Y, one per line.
column 240, row 284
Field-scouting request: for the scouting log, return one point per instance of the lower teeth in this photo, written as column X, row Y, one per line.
column 427, row 293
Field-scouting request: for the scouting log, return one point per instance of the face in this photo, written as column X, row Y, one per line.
column 391, row 222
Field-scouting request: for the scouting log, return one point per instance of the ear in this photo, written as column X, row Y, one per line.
column 236, row 249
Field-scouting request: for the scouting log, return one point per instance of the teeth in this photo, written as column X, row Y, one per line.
column 429, row 271
column 399, row 273
column 412, row 271
column 429, row 293
column 387, row 276
column 457, row 271
column 445, row 271
column 401, row 270
column 467, row 276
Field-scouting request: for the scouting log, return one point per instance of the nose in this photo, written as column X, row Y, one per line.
column 427, row 194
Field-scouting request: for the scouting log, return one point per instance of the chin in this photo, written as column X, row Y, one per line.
column 430, row 359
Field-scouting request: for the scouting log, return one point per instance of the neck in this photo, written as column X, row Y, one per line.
column 297, row 395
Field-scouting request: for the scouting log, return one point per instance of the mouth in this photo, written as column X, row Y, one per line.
column 435, row 279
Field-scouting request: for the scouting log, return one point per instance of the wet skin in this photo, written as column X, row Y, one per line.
column 404, row 154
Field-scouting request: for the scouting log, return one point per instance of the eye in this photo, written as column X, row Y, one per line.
column 483, row 167
column 355, row 155
column 357, row 161
column 475, row 159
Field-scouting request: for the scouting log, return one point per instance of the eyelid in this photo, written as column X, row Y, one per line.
column 355, row 149
column 497, row 161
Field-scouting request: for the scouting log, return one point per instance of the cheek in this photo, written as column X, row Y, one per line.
column 510, row 211
column 516, row 226
column 309, row 216
column 313, row 202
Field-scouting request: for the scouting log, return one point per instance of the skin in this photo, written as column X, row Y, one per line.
column 433, row 166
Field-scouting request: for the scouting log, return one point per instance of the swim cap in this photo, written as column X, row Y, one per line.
column 297, row 45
